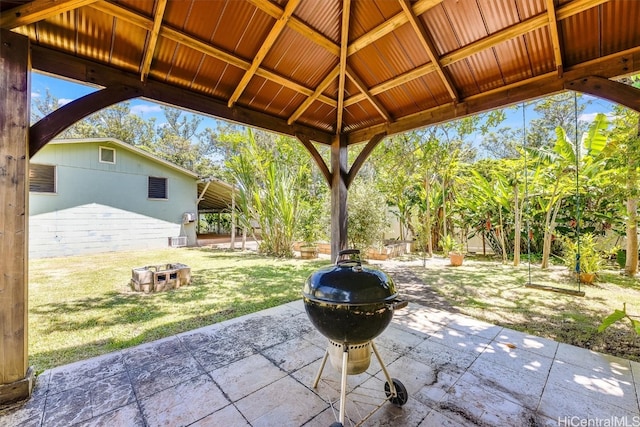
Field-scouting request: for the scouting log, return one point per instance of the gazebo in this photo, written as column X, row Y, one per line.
column 333, row 72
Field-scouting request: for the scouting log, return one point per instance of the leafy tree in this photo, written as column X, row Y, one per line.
column 118, row 122
column 394, row 166
column 625, row 161
column 556, row 111
column 41, row 106
column 503, row 143
column 367, row 217
column 176, row 144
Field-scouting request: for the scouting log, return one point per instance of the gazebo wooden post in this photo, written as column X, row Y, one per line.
column 338, row 195
column 16, row 377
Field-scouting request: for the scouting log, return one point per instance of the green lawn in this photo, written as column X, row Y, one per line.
column 496, row 293
column 81, row 307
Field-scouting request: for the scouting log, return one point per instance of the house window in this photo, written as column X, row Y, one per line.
column 157, row 187
column 42, row 178
column 107, row 155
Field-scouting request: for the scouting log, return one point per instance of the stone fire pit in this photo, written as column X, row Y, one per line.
column 158, row 278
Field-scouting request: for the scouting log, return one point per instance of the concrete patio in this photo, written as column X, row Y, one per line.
column 257, row 370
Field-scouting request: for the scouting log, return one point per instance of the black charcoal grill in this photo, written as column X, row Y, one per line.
column 351, row 305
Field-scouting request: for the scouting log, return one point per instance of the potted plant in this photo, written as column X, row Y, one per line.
column 453, row 249
column 590, row 262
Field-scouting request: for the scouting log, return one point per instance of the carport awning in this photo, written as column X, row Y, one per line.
column 214, row 196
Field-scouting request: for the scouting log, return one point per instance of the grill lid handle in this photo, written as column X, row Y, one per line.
column 399, row 304
column 351, row 256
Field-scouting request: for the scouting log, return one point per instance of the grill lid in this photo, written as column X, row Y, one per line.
column 348, row 282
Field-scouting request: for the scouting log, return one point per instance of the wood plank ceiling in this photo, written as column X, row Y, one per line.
column 318, row 68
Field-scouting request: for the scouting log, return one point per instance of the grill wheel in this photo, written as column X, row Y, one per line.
column 401, row 396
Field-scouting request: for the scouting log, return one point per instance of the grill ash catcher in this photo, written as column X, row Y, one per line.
column 351, row 305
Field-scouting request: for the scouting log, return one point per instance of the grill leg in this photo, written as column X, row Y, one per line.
column 343, row 385
column 392, row 387
column 324, row 360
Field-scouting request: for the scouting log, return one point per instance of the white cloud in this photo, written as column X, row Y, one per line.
column 142, row 109
column 35, row 95
column 589, row 117
column 63, row 101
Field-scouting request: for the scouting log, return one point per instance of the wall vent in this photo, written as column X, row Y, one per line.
column 178, row 242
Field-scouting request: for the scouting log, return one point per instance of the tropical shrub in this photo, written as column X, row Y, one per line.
column 367, row 216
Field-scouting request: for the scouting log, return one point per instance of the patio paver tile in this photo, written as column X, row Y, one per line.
column 461, row 340
column 157, row 375
column 183, row 404
column 241, row 378
column 518, row 386
column 68, row 407
column 258, row 370
column 517, row 359
column 227, row 416
column 436, row 418
column 599, row 361
column 294, row 354
column 594, row 384
column 285, row 399
column 473, row 326
column 128, row 415
column 438, row 355
column 542, row 346
column 111, row 393
column 85, row 371
column 478, row 403
column 560, row 402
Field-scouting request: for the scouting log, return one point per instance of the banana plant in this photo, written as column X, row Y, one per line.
column 562, row 170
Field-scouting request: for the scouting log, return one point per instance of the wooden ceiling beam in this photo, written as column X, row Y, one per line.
column 555, row 38
column 57, row 121
column 389, row 25
column 124, row 14
column 522, row 28
column 342, row 73
column 268, row 43
column 362, row 157
column 613, row 65
column 317, row 158
column 366, row 39
column 38, row 10
column 152, row 40
column 204, row 48
column 204, row 191
column 494, row 39
column 365, row 92
column 298, row 26
column 517, row 30
column 575, row 7
column 309, row 100
column 429, row 47
column 610, row 90
column 209, row 50
column 82, row 70
column 395, row 82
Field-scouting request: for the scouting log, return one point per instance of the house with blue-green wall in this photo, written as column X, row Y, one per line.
column 104, row 195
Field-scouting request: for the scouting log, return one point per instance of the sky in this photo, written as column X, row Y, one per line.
column 67, row 91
